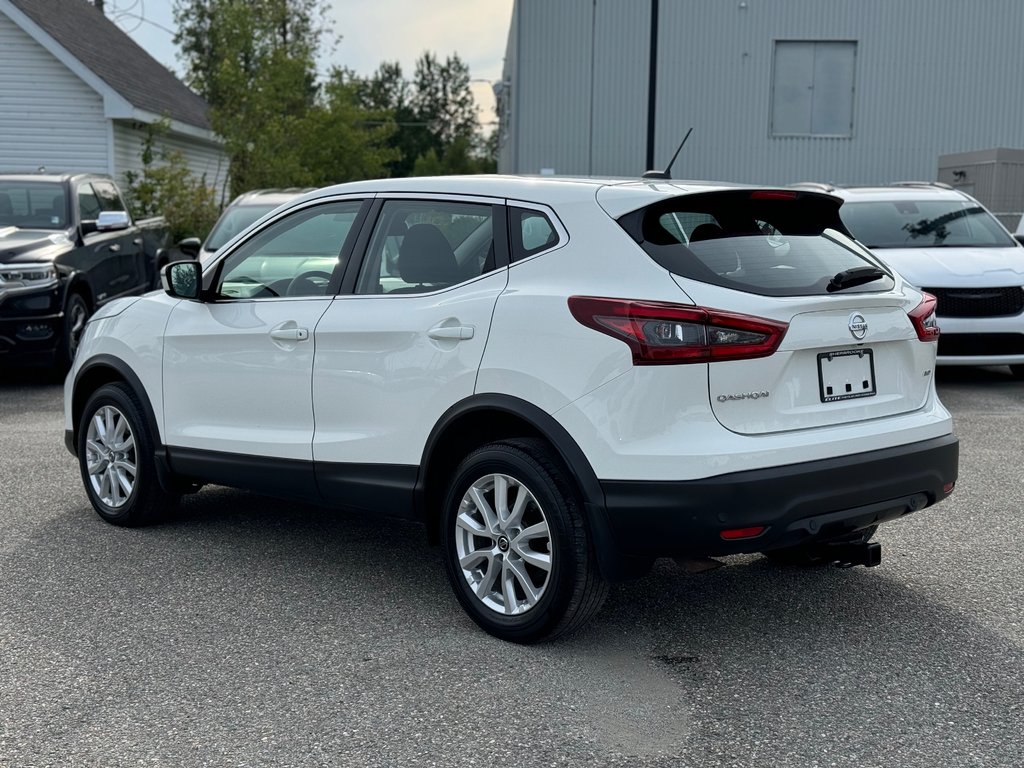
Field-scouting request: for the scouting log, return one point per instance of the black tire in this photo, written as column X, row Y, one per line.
column 572, row 591
column 76, row 313
column 144, row 502
column 810, row 557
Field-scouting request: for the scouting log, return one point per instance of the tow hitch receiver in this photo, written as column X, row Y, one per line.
column 867, row 553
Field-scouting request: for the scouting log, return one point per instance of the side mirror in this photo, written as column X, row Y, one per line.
column 109, row 221
column 190, row 246
column 1019, row 238
column 182, row 279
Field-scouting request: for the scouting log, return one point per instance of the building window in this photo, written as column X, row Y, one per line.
column 812, row 88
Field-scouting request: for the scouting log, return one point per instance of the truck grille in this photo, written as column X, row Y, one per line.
column 979, row 302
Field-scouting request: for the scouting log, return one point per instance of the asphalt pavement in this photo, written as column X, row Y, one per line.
column 252, row 632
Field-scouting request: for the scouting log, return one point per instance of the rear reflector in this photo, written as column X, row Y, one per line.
column 924, row 320
column 660, row 333
column 948, row 487
column 742, row 533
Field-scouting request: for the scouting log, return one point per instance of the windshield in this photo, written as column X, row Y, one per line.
column 33, row 205
column 234, row 221
column 923, row 224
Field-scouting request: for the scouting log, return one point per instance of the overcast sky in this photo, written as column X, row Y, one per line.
column 371, row 31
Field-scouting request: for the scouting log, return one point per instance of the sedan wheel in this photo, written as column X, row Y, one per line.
column 110, row 456
column 517, row 550
column 115, row 455
column 503, row 544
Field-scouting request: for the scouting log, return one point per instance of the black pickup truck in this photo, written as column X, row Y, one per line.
column 67, row 246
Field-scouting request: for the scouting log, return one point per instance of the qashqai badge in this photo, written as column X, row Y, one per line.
column 858, row 325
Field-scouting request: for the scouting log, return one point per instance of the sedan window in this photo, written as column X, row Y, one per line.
column 419, row 247
column 294, row 256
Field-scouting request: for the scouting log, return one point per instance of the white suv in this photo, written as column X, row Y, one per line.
column 946, row 243
column 563, row 379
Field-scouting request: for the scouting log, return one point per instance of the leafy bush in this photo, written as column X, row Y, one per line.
column 167, row 187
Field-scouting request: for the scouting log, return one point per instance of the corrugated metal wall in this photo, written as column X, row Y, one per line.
column 576, row 87
column 932, row 77
column 48, row 116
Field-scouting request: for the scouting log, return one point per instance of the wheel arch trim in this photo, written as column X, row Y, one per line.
column 124, row 373
column 544, row 423
column 613, row 564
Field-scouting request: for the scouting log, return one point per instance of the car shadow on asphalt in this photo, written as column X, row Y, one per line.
column 751, row 658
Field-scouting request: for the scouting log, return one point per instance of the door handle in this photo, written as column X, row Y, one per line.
column 456, row 332
column 115, row 247
column 137, row 241
column 289, row 334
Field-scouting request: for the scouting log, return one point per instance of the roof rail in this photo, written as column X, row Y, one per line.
column 814, row 185
column 939, row 184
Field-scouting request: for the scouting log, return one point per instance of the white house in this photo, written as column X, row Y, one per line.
column 76, row 94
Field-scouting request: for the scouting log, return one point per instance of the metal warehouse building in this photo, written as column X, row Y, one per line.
column 777, row 91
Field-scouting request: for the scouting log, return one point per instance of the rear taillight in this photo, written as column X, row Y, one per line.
column 923, row 318
column 661, row 333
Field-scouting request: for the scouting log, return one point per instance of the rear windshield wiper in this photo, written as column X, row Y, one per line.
column 849, row 278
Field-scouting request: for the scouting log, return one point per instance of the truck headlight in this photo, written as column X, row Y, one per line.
column 15, row 276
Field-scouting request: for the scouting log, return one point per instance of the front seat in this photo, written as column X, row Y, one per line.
column 426, row 258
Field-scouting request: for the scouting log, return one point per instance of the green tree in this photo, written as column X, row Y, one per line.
column 459, row 157
column 166, row 187
column 434, row 115
column 441, row 97
column 254, row 61
column 343, row 141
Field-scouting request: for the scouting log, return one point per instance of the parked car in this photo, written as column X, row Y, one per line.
column 67, row 247
column 242, row 212
column 563, row 379
column 1019, row 234
column 945, row 242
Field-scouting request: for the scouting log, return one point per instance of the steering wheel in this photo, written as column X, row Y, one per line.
column 308, row 284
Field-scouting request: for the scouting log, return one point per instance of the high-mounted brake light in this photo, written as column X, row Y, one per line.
column 660, row 333
column 773, row 194
column 924, row 320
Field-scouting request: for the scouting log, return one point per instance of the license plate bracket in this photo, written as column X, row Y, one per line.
column 845, row 374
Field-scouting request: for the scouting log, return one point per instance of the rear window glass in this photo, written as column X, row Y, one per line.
column 924, row 224
column 768, row 243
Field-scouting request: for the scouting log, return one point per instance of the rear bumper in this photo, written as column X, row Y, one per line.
column 797, row 504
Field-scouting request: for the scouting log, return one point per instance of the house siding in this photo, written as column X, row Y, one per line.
column 205, row 160
column 49, row 118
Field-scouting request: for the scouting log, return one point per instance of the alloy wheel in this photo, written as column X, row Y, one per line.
column 503, row 544
column 110, row 456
